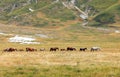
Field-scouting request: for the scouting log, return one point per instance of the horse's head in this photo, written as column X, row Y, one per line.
column 85, row 48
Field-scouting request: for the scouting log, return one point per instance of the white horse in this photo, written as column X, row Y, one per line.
column 42, row 49
column 95, row 49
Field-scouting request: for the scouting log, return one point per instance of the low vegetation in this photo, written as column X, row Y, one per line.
column 17, row 12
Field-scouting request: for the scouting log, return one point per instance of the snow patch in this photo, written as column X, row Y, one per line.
column 20, row 39
column 1, row 33
column 117, row 31
column 23, row 40
column 83, row 16
column 42, row 35
column 29, row 43
column 31, row 10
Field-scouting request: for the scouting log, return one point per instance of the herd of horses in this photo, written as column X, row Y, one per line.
column 28, row 49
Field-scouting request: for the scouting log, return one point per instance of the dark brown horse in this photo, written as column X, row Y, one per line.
column 83, row 49
column 54, row 49
column 62, row 49
column 71, row 49
column 10, row 49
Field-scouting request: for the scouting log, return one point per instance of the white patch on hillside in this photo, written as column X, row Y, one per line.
column 1, row 33
column 31, row 10
column 23, row 40
column 117, row 31
column 42, row 35
column 29, row 43
column 83, row 16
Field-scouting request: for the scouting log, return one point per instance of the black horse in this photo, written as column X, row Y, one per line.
column 83, row 49
column 71, row 49
column 54, row 49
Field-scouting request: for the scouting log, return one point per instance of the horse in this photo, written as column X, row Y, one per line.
column 62, row 49
column 30, row 49
column 21, row 50
column 42, row 49
column 54, row 49
column 10, row 49
column 95, row 49
column 83, row 49
column 71, row 49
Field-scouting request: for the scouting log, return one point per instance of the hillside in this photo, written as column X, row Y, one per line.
column 54, row 13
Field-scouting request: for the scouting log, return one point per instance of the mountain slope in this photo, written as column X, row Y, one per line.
column 30, row 12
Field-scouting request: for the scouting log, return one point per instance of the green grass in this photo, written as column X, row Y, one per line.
column 101, row 5
column 54, row 11
column 57, row 64
column 25, row 9
column 58, row 11
column 111, row 12
column 60, row 71
column 25, row 17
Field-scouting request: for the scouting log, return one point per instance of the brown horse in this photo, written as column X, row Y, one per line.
column 10, row 49
column 54, row 49
column 30, row 49
column 62, row 49
column 20, row 49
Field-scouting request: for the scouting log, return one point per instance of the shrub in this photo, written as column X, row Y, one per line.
column 105, row 18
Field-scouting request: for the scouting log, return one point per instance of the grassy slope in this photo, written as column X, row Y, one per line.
column 61, row 64
column 65, row 64
column 112, row 8
column 52, row 11
column 35, row 18
column 101, row 5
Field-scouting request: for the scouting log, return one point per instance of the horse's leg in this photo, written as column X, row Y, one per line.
column 91, row 50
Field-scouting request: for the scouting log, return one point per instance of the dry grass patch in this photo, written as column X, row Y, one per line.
column 59, row 58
